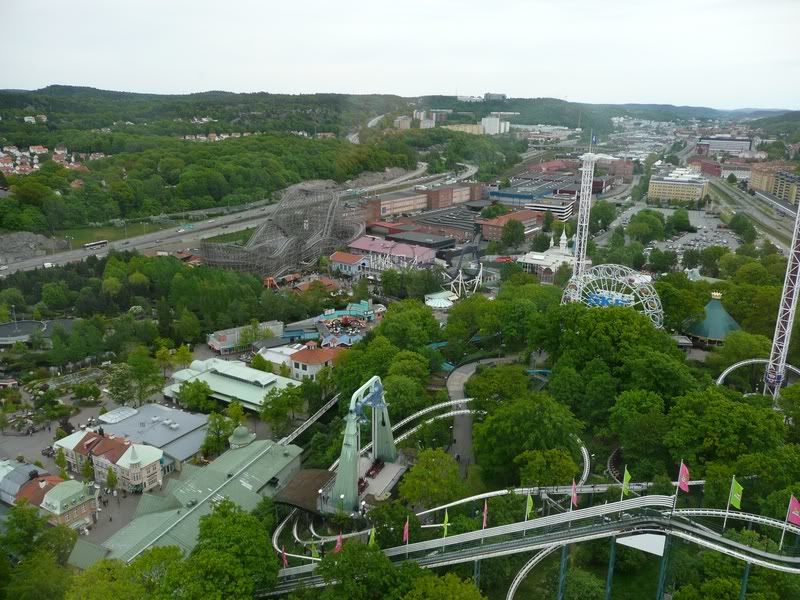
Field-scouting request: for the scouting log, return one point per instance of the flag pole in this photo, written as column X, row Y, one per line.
column 728, row 506
column 677, row 489
column 785, row 521
column 622, row 491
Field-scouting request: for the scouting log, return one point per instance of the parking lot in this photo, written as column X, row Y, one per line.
column 707, row 234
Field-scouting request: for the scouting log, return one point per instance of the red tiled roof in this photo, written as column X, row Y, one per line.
column 345, row 258
column 111, row 447
column 35, row 489
column 316, row 356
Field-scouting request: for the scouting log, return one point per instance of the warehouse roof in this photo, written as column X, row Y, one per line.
column 177, row 432
column 229, row 380
column 241, row 474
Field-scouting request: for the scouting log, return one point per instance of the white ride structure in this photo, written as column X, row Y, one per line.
column 616, row 285
column 584, row 208
column 462, row 286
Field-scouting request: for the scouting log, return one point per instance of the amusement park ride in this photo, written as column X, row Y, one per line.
column 606, row 285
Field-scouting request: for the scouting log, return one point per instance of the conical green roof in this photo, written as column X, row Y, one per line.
column 717, row 323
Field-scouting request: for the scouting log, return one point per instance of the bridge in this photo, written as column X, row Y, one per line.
column 646, row 514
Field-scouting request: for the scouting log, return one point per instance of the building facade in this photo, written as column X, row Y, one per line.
column 681, row 184
column 786, row 186
column 727, row 144
column 70, row 503
column 492, row 229
column 308, row 362
column 351, row 265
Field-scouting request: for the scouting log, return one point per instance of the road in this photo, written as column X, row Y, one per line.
column 174, row 239
column 767, row 217
column 353, row 137
column 462, row 424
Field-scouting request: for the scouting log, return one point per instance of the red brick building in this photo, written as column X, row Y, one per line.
column 492, row 229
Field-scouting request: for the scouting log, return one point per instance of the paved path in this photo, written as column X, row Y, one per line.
column 462, row 424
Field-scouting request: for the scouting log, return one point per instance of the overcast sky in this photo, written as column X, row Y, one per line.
column 720, row 53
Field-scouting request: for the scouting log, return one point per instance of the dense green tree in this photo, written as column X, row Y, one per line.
column 196, row 395
column 230, row 530
column 492, row 387
column 546, row 467
column 362, row 572
column 265, row 512
column 602, row 214
column 513, row 234
column 388, row 519
column 433, row 480
column 38, row 576
column 218, row 431
column 639, row 422
column 145, row 375
column 540, row 242
column 447, row 587
column 23, row 526
column 409, row 325
column 708, row 425
column 105, row 579
column 534, row 422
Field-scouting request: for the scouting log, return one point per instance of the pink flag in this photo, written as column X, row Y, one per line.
column 405, row 532
column 794, row 511
column 338, row 547
column 283, row 557
column 485, row 512
column 574, row 494
column 683, row 478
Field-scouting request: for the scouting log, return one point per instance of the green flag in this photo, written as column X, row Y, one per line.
column 372, row 537
column 446, row 522
column 735, row 498
column 626, row 482
column 528, row 507
column 314, row 553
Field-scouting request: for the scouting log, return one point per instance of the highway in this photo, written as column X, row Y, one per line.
column 764, row 216
column 172, row 239
column 353, row 137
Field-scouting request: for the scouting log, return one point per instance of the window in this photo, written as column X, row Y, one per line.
column 305, row 367
column 296, row 365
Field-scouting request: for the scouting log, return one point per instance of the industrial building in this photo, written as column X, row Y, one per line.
column 726, row 144
column 426, row 240
column 249, row 471
column 179, row 434
column 229, row 380
column 682, row 184
column 471, row 128
column 492, row 229
column 739, row 170
column 456, row 221
column 396, row 203
column 706, row 166
column 227, row 341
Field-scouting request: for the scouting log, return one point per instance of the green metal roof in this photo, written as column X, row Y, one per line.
column 173, row 519
column 716, row 325
column 84, row 554
column 66, row 495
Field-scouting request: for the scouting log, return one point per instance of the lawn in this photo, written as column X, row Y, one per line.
column 234, row 236
column 83, row 235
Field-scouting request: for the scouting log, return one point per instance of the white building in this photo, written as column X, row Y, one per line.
column 545, row 264
column 280, row 355
column 229, row 380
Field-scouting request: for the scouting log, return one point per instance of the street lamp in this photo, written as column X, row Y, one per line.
column 341, row 502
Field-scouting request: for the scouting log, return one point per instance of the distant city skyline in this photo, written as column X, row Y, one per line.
column 722, row 54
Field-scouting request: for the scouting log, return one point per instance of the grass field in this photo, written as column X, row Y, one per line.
column 235, row 236
column 83, row 235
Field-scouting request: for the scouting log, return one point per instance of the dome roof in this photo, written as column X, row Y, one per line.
column 241, row 436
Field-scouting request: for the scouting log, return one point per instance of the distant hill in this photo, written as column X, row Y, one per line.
column 786, row 124
column 552, row 111
column 84, row 107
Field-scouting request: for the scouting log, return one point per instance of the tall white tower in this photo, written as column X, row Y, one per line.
column 776, row 369
column 582, row 234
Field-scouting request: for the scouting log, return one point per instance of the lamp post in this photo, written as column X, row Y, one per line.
column 341, row 502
